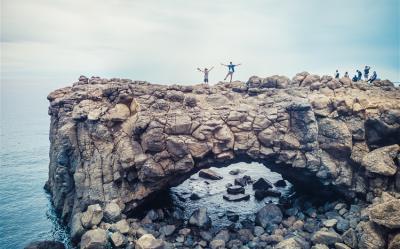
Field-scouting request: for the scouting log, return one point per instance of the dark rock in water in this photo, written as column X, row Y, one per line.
column 269, row 214
column 243, row 181
column 262, row 184
column 194, row 197
column 235, row 189
column 247, row 223
column 200, row 218
column 234, row 171
column 46, row 244
column 261, row 194
column 210, row 174
column 280, row 183
column 238, row 197
column 231, row 216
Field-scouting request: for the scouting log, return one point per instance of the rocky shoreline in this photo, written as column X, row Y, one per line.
column 116, row 142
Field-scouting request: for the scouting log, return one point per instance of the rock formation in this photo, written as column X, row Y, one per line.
column 117, row 142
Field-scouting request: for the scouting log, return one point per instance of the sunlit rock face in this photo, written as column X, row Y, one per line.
column 120, row 141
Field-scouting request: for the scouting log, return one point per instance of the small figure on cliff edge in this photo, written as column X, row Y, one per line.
column 337, row 74
column 355, row 78
column 205, row 71
column 366, row 72
column 231, row 69
column 373, row 77
column 346, row 75
column 359, row 75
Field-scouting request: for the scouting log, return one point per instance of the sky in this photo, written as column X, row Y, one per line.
column 53, row 42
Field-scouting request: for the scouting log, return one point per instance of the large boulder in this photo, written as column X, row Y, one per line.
column 92, row 216
column 334, row 136
column 112, row 212
column 386, row 214
column 381, row 161
column 200, row 218
column 209, row 174
column 147, row 241
column 94, row 239
column 268, row 215
column 371, row 236
column 326, row 237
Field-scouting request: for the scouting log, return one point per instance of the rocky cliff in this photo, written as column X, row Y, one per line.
column 121, row 141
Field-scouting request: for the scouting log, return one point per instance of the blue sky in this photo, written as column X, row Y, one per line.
column 54, row 41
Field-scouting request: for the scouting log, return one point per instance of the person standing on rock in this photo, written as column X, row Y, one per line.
column 359, row 75
column 366, row 72
column 205, row 71
column 231, row 69
column 373, row 77
column 346, row 74
column 337, row 74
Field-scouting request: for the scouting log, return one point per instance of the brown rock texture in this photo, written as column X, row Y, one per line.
column 117, row 140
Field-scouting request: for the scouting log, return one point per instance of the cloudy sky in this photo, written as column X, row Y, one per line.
column 164, row 41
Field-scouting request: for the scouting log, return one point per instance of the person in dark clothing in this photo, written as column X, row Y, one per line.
column 355, row 78
column 231, row 69
column 337, row 74
column 359, row 75
column 373, row 77
column 366, row 72
column 346, row 75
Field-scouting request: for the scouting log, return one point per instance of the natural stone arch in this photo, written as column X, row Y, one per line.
column 121, row 140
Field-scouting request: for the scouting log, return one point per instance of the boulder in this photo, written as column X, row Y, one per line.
column 395, row 242
column 381, row 161
column 262, row 184
column 217, row 244
column 92, row 216
column 147, row 241
column 291, row 243
column 200, row 218
column 326, row 237
column 167, row 230
column 119, row 113
column 268, row 215
column 236, row 197
column 235, row 189
column 209, row 174
column 371, row 236
column 112, row 212
column 117, row 239
column 94, row 239
column 386, row 214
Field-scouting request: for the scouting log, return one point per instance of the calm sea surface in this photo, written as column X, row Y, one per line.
column 25, row 210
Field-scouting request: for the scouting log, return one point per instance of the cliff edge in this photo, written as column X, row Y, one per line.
column 120, row 141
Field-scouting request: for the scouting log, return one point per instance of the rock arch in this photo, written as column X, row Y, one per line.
column 118, row 140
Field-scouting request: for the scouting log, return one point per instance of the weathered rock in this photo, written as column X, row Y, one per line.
column 262, row 184
column 371, row 236
column 269, row 214
column 123, row 140
column 327, row 238
column 94, row 239
column 200, row 218
column 381, row 161
column 92, row 216
column 395, row 242
column 147, row 241
column 235, row 189
column 209, row 174
column 117, row 239
column 112, row 212
column 217, row 244
column 236, row 197
column 386, row 214
column 291, row 243
column 167, row 230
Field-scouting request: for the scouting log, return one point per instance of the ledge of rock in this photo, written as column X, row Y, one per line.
column 114, row 142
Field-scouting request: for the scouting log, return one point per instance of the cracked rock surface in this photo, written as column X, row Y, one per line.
column 115, row 142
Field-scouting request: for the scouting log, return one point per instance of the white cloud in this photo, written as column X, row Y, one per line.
column 164, row 41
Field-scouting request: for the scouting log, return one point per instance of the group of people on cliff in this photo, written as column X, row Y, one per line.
column 358, row 75
column 231, row 69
